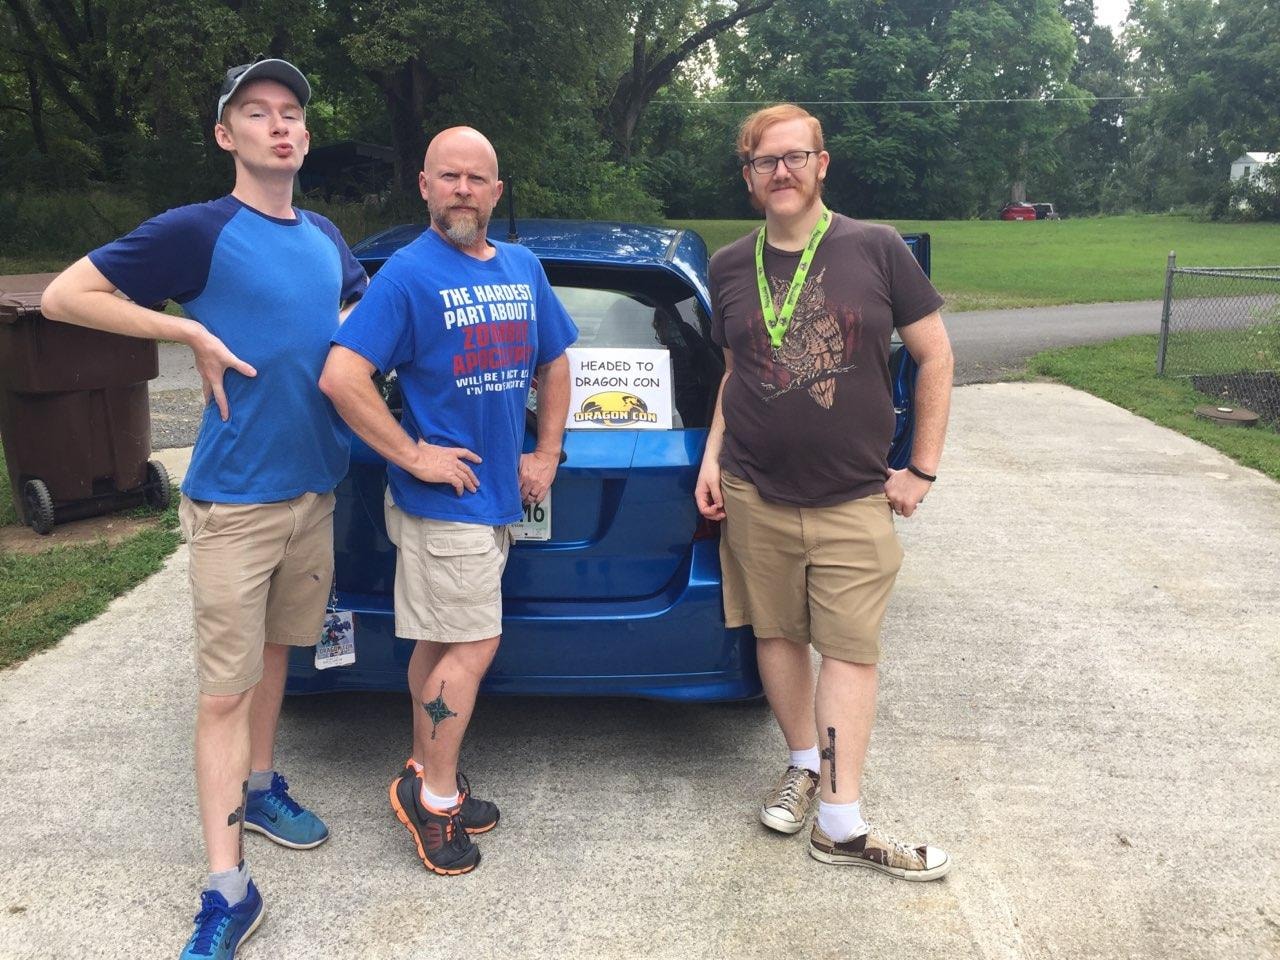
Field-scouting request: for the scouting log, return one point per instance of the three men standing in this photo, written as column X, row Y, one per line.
column 795, row 464
column 466, row 323
column 261, row 284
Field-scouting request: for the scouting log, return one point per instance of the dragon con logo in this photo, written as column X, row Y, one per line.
column 614, row 408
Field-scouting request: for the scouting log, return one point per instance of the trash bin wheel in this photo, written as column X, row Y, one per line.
column 157, row 485
column 39, row 506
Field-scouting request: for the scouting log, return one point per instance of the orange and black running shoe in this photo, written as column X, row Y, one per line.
column 475, row 815
column 442, row 843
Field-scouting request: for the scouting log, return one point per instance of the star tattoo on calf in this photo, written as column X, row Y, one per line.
column 438, row 711
column 829, row 754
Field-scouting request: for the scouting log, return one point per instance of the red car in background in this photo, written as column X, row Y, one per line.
column 1017, row 211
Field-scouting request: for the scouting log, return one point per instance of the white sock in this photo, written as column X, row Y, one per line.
column 808, row 759
column 841, row 821
column 439, row 803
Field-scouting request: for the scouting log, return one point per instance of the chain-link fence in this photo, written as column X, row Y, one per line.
column 1221, row 329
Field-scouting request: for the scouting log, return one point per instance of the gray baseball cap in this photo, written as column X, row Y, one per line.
column 281, row 71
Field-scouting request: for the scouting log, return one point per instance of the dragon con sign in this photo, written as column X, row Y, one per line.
column 614, row 388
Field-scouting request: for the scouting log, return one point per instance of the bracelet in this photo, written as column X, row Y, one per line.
column 920, row 473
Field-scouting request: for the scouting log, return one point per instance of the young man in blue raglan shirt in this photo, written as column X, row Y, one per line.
column 262, row 285
column 466, row 323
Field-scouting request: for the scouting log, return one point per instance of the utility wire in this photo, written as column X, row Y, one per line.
column 851, row 103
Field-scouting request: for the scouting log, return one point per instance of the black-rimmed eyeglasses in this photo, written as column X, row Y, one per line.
column 792, row 159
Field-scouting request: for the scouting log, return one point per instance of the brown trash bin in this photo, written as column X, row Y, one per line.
column 74, row 413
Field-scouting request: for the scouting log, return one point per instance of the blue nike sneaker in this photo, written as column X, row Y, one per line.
column 277, row 816
column 221, row 929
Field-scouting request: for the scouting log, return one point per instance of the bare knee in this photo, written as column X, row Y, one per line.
column 848, row 669
column 214, row 708
column 473, row 658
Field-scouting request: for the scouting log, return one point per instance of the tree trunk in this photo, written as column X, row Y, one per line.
column 405, row 91
column 37, row 111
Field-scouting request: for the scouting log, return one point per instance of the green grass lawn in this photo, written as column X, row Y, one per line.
column 1123, row 372
column 44, row 596
column 11, row 265
column 990, row 264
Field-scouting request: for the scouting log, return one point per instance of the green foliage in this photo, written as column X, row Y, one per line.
column 597, row 106
column 1124, row 373
column 66, row 224
column 937, row 157
column 1211, row 69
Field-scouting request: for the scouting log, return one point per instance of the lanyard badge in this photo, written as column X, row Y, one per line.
column 777, row 324
column 336, row 646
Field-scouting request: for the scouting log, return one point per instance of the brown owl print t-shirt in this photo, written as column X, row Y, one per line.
column 810, row 423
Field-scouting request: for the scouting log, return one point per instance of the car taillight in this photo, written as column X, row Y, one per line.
column 706, row 529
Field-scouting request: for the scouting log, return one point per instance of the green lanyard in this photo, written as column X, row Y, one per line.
column 775, row 324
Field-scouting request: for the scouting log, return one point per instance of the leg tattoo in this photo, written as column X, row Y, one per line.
column 829, row 754
column 237, row 817
column 438, row 711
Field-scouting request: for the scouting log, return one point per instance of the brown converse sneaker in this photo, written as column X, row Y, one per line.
column 787, row 804
column 880, row 852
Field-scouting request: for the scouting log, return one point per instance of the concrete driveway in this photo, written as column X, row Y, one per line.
column 1079, row 701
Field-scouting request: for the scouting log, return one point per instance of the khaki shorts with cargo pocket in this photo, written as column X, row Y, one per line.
column 448, row 577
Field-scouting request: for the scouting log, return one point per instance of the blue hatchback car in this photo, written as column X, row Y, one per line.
column 617, row 590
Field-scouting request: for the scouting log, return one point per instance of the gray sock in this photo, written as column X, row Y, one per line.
column 260, row 779
column 233, row 884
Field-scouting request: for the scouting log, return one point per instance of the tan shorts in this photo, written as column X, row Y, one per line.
column 448, row 577
column 260, row 573
column 819, row 575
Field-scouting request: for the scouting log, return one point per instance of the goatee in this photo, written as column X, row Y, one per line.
column 463, row 229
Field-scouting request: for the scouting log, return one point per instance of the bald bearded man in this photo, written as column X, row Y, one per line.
column 465, row 322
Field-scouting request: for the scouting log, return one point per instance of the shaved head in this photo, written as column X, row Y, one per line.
column 459, row 181
column 461, row 140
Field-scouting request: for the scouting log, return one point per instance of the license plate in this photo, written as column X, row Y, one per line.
column 536, row 524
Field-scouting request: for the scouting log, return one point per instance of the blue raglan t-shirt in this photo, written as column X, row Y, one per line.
column 464, row 337
column 269, row 289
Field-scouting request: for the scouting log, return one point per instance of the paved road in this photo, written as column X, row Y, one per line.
column 991, row 344
column 1079, row 701
column 988, row 343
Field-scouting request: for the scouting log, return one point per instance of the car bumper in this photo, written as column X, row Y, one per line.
column 671, row 646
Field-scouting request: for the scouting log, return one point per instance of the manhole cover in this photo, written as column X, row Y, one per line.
column 1235, row 416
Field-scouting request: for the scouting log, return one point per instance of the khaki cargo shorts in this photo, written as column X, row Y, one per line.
column 819, row 575
column 260, row 573
column 448, row 577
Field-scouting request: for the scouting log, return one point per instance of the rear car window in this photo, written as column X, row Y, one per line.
column 616, row 318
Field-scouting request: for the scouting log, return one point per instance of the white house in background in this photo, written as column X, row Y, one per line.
column 1249, row 164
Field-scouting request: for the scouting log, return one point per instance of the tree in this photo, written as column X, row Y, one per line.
column 513, row 68
column 1092, row 148
column 886, row 79
column 1211, row 71
column 664, row 35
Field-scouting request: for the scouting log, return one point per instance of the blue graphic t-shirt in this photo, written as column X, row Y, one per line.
column 270, row 289
column 464, row 337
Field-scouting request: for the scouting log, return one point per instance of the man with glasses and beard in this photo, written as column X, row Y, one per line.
column 795, row 465
column 466, row 323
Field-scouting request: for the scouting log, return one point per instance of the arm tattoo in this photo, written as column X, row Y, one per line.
column 236, row 817
column 438, row 711
column 829, row 754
